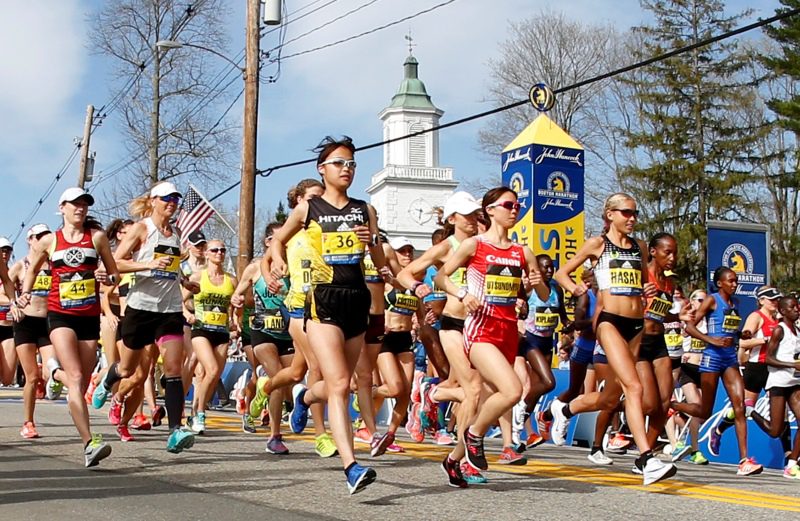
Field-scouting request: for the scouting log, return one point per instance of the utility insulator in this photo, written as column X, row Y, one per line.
column 272, row 12
column 90, row 167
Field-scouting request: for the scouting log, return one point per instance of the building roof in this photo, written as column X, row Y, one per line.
column 412, row 93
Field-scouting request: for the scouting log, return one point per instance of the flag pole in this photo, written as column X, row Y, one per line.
column 216, row 213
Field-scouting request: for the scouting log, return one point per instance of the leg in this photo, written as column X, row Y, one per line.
column 498, row 373
column 27, row 358
column 734, row 385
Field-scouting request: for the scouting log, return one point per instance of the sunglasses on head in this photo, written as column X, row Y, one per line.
column 171, row 198
column 340, row 163
column 627, row 212
column 508, row 205
column 218, row 250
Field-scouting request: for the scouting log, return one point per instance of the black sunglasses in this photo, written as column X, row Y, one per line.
column 627, row 212
column 218, row 250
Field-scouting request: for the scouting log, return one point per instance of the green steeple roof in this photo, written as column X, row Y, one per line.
column 412, row 93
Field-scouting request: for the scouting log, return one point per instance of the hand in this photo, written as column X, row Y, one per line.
column 112, row 320
column 101, row 276
column 746, row 334
column 16, row 313
column 362, row 232
column 275, row 285
column 721, row 341
column 471, row 303
column 568, row 328
column 160, row 263
column 191, row 286
column 422, row 290
column 430, row 317
column 237, row 301
column 387, row 274
column 686, row 314
column 278, row 269
column 649, row 290
column 24, row 299
column 190, row 318
column 580, row 289
column 531, row 279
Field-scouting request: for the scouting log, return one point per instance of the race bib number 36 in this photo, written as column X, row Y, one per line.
column 341, row 247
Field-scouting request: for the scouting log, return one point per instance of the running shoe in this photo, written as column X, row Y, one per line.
column 442, row 437
column 299, row 417
column 680, row 451
column 379, row 445
column 618, row 444
column 40, row 390
column 474, row 448
column 114, row 412
column 90, row 391
column 179, row 440
column 413, row 426
column 558, row 431
column 362, row 435
column 28, row 431
column 96, row 450
column 534, row 440
column 494, row 432
column 265, row 418
column 511, row 457
column 452, row 470
column 792, row 472
column 248, row 425
column 656, row 470
column 517, row 421
column 199, row 423
column 124, row 433
column 749, row 467
column 359, row 477
column 100, row 394
column 354, row 403
column 54, row 387
column 157, row 414
column 543, row 425
column 324, row 446
column 599, row 457
column 426, row 418
column 395, row 448
column 698, row 458
column 415, row 386
column 261, row 399
column 141, row 423
column 241, row 405
column 275, row 445
column 472, row 475
column 714, row 440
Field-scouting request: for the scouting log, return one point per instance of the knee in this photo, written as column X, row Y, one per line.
column 511, row 392
column 394, row 389
column 634, row 391
column 339, row 387
column 548, row 384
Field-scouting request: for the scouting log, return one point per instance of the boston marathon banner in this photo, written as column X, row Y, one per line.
column 544, row 166
column 744, row 248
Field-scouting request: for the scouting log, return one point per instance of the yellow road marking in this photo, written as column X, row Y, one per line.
column 585, row 475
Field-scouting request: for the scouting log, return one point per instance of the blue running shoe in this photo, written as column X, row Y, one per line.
column 359, row 477
column 100, row 394
column 714, row 440
column 299, row 417
column 179, row 440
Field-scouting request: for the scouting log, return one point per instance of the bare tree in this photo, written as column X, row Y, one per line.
column 171, row 99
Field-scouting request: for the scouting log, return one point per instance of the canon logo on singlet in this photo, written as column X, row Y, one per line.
column 501, row 260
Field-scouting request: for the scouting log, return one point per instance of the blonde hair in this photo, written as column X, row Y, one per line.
column 141, row 207
column 612, row 203
column 300, row 190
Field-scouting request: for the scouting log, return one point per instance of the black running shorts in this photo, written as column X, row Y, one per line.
column 343, row 307
column 142, row 328
column 31, row 330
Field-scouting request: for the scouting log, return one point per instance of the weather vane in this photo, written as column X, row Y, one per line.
column 410, row 41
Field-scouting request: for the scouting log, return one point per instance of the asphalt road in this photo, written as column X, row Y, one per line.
column 228, row 475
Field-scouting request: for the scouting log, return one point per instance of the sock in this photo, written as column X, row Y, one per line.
column 595, row 449
column 786, row 441
column 548, row 416
column 173, row 399
column 791, row 463
column 641, row 461
column 567, row 412
column 724, row 425
column 347, row 470
column 112, row 377
column 748, row 407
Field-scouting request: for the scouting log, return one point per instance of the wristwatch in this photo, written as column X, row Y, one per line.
column 461, row 295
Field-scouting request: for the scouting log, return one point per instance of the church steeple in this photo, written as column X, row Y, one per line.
column 412, row 93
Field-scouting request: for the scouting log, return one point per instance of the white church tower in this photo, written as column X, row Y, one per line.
column 411, row 183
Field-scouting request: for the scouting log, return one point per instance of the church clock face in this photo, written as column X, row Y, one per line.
column 420, row 211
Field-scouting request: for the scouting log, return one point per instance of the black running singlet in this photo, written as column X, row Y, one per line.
column 331, row 236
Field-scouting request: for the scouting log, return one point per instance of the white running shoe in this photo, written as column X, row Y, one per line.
column 558, row 432
column 656, row 470
column 600, row 458
column 517, row 421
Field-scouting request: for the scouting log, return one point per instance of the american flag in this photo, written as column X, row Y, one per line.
column 194, row 213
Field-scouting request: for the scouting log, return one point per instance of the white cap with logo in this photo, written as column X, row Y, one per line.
column 460, row 202
column 5, row 243
column 163, row 189
column 399, row 243
column 70, row 195
column 36, row 229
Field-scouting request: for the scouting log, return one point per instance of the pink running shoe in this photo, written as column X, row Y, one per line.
column 115, row 412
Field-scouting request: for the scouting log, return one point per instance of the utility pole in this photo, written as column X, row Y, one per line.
column 87, row 135
column 155, row 110
column 247, row 194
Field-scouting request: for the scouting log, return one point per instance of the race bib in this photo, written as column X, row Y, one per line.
column 626, row 280
column 658, row 308
column 696, row 345
column 215, row 320
column 341, row 247
column 41, row 285
column 459, row 278
column 4, row 311
column 502, row 289
column 545, row 319
column 730, row 324
column 268, row 323
column 371, row 271
column 405, row 304
column 305, row 268
column 173, row 268
column 79, row 291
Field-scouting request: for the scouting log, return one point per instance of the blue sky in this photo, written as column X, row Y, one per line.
column 50, row 76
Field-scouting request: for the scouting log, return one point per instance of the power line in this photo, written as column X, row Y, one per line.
column 292, row 20
column 371, row 31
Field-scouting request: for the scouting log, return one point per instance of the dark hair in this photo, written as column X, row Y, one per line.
column 90, row 223
column 492, row 196
column 543, row 256
column 438, row 236
column 329, row 144
column 115, row 226
column 270, row 229
column 783, row 303
column 719, row 272
column 660, row 237
column 448, row 229
column 300, row 190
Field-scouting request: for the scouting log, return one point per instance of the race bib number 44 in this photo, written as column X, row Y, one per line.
column 77, row 292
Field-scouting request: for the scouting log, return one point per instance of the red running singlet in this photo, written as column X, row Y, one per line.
column 73, row 290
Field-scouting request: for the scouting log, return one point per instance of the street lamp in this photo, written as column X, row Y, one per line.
column 172, row 44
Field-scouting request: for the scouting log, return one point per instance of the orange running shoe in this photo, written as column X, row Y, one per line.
column 29, row 431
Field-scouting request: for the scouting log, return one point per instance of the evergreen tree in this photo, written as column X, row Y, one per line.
column 693, row 152
column 280, row 213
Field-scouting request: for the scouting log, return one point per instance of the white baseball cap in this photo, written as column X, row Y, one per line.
column 36, row 229
column 163, row 189
column 460, row 202
column 399, row 243
column 73, row 194
column 5, row 243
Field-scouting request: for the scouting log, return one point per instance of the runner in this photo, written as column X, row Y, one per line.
column 783, row 382
column 73, row 305
column 302, row 261
column 719, row 360
column 30, row 333
column 212, row 323
column 622, row 281
column 495, row 270
column 8, row 361
column 153, row 313
column 194, row 261
column 337, row 313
